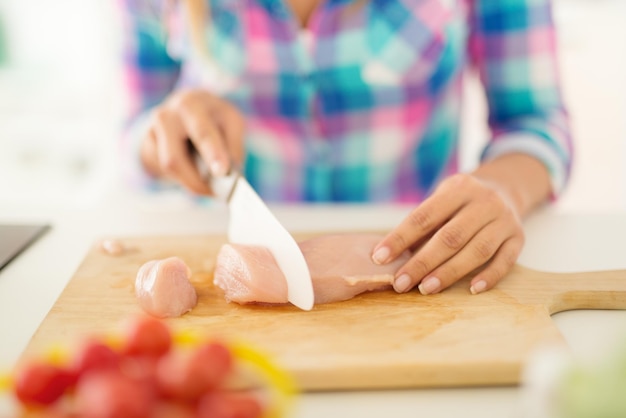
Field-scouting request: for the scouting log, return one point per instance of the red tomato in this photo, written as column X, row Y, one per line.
column 216, row 361
column 221, row 404
column 41, row 384
column 94, row 355
column 49, row 412
column 188, row 375
column 147, row 336
column 166, row 409
column 111, row 394
column 141, row 369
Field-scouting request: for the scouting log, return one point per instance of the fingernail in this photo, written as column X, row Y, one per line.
column 478, row 287
column 218, row 168
column 402, row 283
column 381, row 255
column 430, row 285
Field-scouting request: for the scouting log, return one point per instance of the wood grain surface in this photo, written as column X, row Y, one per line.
column 374, row 341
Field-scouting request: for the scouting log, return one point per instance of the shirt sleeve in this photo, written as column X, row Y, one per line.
column 512, row 43
column 149, row 72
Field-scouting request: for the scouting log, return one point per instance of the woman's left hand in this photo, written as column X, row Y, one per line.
column 467, row 223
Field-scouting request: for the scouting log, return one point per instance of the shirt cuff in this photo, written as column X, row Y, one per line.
column 535, row 146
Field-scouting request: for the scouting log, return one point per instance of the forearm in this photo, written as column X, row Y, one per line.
column 523, row 179
column 529, row 123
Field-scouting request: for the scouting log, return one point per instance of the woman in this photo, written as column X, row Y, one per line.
column 359, row 101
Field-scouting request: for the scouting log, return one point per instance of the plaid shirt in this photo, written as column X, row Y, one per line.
column 363, row 105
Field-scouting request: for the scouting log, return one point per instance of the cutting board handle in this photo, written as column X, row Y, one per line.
column 567, row 291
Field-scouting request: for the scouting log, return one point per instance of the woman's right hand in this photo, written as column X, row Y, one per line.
column 214, row 127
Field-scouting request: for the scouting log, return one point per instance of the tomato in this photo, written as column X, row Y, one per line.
column 111, row 394
column 141, row 369
column 221, row 404
column 165, row 409
column 147, row 336
column 145, row 378
column 41, row 383
column 215, row 361
column 92, row 355
column 49, row 412
column 188, row 375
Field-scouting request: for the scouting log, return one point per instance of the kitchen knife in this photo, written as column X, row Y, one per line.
column 252, row 223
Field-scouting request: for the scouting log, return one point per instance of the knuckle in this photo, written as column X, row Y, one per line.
column 515, row 229
column 184, row 99
column 170, row 165
column 418, row 267
column 160, row 115
column 519, row 233
column 483, row 249
column 460, row 181
column 493, row 274
column 184, row 102
column 421, row 220
column 509, row 258
column 452, row 237
column 200, row 129
column 448, row 274
column 500, row 267
column 398, row 241
column 453, row 179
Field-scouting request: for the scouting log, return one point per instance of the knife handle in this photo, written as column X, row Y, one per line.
column 222, row 186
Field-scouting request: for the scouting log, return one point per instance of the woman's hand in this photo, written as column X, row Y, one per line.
column 213, row 126
column 471, row 221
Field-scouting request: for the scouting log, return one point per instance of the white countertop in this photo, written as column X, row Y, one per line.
column 556, row 241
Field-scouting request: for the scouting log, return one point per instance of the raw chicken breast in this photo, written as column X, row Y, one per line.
column 340, row 266
column 112, row 247
column 163, row 288
column 249, row 273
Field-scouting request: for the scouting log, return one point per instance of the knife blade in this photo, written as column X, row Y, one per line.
column 252, row 223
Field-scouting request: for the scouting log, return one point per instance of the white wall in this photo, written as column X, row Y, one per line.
column 594, row 71
column 59, row 101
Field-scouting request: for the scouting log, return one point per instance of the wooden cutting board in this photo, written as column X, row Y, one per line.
column 377, row 340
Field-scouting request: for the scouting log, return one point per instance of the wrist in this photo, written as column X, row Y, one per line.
column 521, row 179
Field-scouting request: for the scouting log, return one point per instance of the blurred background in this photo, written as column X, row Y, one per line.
column 61, row 102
